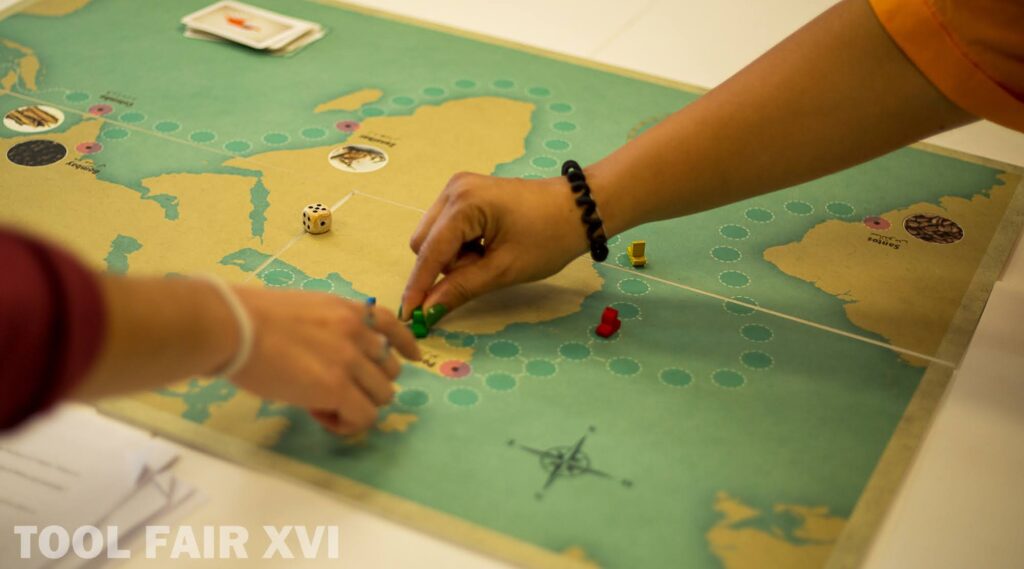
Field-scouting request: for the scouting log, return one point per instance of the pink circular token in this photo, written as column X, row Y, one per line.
column 455, row 369
column 100, row 110
column 347, row 126
column 875, row 222
column 89, row 147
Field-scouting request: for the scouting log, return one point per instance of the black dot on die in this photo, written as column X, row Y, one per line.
column 322, row 223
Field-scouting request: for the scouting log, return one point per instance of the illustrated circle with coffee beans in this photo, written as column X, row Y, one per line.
column 933, row 228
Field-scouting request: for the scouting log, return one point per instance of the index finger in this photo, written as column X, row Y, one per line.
column 439, row 249
column 397, row 334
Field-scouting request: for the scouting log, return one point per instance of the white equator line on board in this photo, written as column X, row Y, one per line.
column 294, row 240
column 784, row 316
column 392, row 202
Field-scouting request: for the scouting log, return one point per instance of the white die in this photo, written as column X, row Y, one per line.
column 316, row 218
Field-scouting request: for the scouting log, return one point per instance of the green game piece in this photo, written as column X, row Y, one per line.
column 435, row 313
column 419, row 330
column 419, row 323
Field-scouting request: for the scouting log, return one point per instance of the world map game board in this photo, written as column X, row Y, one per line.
column 778, row 358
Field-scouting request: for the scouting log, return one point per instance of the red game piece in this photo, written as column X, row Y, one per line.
column 610, row 315
column 610, row 322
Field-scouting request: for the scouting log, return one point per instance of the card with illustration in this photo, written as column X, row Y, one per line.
column 247, row 25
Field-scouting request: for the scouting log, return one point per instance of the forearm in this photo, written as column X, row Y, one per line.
column 836, row 93
column 159, row 331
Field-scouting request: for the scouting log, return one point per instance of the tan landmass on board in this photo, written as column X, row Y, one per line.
column 436, row 351
column 27, row 67
column 213, row 221
column 818, row 525
column 368, row 243
column 396, row 422
column 69, row 205
column 741, row 546
column 9, row 80
column 55, row 7
column 579, row 556
column 238, row 416
column 350, row 101
column 85, row 214
column 907, row 295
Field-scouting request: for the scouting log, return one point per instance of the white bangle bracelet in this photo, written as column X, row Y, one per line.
column 246, row 332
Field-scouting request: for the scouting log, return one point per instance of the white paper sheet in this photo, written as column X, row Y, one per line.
column 74, row 468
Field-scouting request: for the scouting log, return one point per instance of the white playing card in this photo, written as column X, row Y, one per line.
column 302, row 41
column 247, row 25
column 198, row 35
column 296, row 45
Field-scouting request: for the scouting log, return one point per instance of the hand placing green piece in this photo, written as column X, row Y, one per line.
column 422, row 321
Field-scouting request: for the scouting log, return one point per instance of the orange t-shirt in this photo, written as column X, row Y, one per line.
column 972, row 50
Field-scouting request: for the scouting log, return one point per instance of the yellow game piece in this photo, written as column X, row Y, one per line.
column 636, row 251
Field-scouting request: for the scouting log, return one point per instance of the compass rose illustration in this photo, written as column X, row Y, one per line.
column 566, row 461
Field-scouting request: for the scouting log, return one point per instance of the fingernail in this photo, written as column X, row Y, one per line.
column 435, row 313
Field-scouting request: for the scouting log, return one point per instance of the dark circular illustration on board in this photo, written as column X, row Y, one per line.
column 36, row 153
column 933, row 228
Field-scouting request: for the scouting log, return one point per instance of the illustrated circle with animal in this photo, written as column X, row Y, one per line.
column 358, row 158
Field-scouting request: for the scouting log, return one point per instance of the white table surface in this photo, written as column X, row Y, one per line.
column 960, row 506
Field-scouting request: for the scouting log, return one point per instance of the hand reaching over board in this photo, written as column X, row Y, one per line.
column 484, row 233
column 327, row 354
column 324, row 353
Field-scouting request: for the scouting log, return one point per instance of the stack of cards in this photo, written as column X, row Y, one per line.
column 251, row 26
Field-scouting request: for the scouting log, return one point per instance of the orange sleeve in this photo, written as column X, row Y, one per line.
column 972, row 50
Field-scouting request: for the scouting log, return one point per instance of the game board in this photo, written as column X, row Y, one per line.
column 778, row 358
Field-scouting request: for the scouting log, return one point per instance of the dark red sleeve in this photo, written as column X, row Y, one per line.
column 52, row 325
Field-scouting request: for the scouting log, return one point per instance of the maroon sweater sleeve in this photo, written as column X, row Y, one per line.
column 52, row 325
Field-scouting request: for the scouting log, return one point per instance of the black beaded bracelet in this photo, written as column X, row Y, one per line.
column 595, row 228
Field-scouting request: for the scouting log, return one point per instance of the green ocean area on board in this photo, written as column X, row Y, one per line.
column 702, row 397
